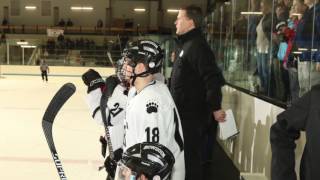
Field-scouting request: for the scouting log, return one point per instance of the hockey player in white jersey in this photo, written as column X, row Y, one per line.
column 151, row 115
column 115, row 111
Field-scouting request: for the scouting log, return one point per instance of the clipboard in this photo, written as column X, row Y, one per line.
column 228, row 129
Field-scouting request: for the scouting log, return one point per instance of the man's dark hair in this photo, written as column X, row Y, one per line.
column 195, row 13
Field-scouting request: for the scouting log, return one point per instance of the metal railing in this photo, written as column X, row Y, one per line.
column 42, row 29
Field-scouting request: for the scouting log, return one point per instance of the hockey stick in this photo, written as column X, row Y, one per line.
column 103, row 105
column 110, row 58
column 64, row 93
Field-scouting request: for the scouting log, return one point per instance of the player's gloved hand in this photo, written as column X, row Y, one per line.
column 111, row 83
column 103, row 142
column 93, row 80
column 111, row 164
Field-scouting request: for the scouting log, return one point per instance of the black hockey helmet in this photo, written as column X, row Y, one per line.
column 147, row 52
column 152, row 160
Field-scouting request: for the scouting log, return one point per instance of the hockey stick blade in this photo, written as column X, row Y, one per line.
column 64, row 93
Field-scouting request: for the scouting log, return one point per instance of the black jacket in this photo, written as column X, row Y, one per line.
column 303, row 115
column 308, row 34
column 196, row 80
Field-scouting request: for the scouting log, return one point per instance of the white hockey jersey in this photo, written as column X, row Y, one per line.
column 116, row 108
column 151, row 116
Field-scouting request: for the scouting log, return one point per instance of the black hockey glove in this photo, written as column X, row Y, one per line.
column 111, row 164
column 111, row 83
column 93, row 80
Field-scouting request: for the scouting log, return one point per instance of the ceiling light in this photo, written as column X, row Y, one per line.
column 139, row 10
column 297, row 52
column 87, row 8
column 76, row 8
column 28, row 46
column 172, row 10
column 22, row 43
column 30, row 7
column 302, row 49
column 81, row 8
column 251, row 13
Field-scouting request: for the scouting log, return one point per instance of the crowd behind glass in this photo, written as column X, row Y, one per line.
column 270, row 47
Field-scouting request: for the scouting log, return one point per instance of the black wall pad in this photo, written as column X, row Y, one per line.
column 221, row 167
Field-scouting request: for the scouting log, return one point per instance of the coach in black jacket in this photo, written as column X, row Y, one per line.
column 196, row 83
column 303, row 115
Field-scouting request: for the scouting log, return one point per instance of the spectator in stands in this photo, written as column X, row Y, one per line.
column 51, row 45
column 252, row 35
column 99, row 26
column 99, row 23
column 69, row 43
column 86, row 44
column 44, row 68
column 287, row 4
column 81, row 43
column 61, row 41
column 61, row 23
column 290, row 61
column 5, row 22
column 281, row 12
column 281, row 73
column 123, row 41
column 263, row 42
column 92, row 44
column 3, row 38
column 69, row 22
column 60, row 38
column 128, row 23
column 308, row 38
column 284, row 7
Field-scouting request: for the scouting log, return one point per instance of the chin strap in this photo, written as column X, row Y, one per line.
column 143, row 74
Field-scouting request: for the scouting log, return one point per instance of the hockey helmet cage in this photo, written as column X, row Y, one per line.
column 147, row 52
column 120, row 71
column 152, row 160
